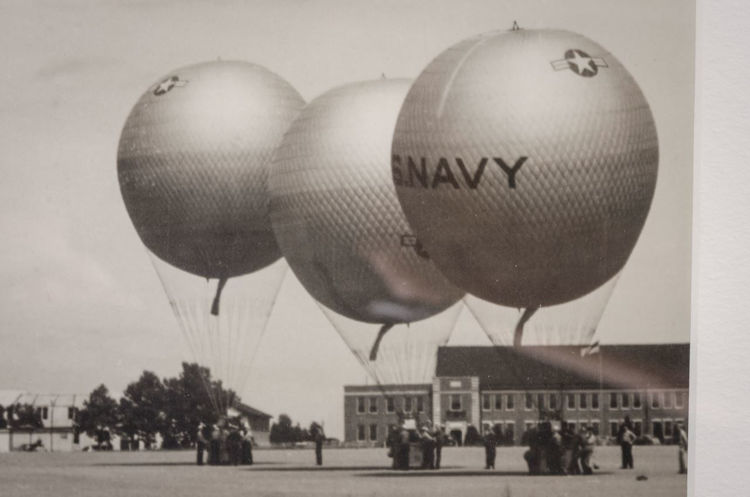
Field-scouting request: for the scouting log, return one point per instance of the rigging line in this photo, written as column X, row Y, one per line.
column 173, row 303
column 267, row 318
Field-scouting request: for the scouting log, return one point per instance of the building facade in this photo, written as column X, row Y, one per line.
column 512, row 389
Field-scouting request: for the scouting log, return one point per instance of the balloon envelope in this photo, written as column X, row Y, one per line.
column 192, row 165
column 526, row 162
column 335, row 212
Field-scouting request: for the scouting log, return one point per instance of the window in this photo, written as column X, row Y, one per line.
column 390, row 405
column 595, row 427
column 637, row 400
column 373, row 405
column 455, row 402
column 540, row 401
column 360, row 405
column 498, row 402
column 529, row 402
column 408, row 404
column 509, row 402
column 510, row 432
column 553, row 401
column 638, row 427
column 625, row 401
column 595, row 401
column 571, row 401
column 668, row 428
column 528, row 425
column 420, row 404
column 361, row 433
column 485, row 402
column 679, row 401
column 655, row 400
column 613, row 427
column 71, row 412
column 669, row 399
column 45, row 413
column 373, row 432
column 613, row 401
column 583, row 401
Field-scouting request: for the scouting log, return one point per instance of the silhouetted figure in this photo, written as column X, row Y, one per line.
column 403, row 449
column 234, row 446
column 439, row 435
column 201, row 443
column 428, row 448
column 247, row 447
column 318, row 436
column 490, row 447
column 588, row 441
column 626, row 438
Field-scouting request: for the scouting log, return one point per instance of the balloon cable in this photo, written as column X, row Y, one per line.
column 383, row 330
column 217, row 297
column 518, row 335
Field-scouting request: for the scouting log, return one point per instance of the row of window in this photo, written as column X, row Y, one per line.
column 43, row 412
column 407, row 404
column 364, row 431
column 617, row 400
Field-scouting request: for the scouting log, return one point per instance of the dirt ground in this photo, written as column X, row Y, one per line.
column 345, row 472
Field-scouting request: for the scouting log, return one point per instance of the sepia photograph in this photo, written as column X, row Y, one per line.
column 344, row 248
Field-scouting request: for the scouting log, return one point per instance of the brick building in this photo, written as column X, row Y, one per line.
column 512, row 388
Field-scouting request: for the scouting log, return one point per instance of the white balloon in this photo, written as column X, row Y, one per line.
column 526, row 162
column 192, row 165
column 335, row 213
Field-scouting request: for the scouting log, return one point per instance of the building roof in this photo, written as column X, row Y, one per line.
column 250, row 411
column 566, row 367
column 11, row 397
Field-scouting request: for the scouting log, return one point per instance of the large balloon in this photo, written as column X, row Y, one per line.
column 335, row 212
column 526, row 162
column 192, row 165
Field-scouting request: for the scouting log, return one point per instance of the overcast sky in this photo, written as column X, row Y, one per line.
column 81, row 302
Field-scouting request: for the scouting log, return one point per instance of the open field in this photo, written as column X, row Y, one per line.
column 346, row 472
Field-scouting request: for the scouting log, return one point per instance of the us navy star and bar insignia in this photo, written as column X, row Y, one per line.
column 168, row 84
column 580, row 63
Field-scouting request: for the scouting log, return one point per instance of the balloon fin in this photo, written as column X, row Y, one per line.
column 374, row 350
column 518, row 336
column 215, row 304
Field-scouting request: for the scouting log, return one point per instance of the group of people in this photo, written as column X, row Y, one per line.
column 428, row 439
column 556, row 448
column 228, row 443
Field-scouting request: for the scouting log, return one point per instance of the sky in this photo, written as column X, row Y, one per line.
column 81, row 303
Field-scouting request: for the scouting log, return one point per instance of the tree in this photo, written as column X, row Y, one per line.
column 99, row 416
column 142, row 408
column 24, row 416
column 189, row 402
column 282, row 431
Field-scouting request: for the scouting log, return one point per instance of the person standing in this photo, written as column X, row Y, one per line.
column 490, row 447
column 626, row 451
column 201, row 443
column 247, row 446
column 318, row 437
column 628, row 439
column 683, row 448
column 588, row 441
column 214, row 447
column 439, row 435
column 403, row 449
column 428, row 448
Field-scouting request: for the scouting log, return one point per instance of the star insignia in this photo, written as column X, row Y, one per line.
column 580, row 63
column 168, row 84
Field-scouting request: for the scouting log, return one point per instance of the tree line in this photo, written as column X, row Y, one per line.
column 172, row 408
